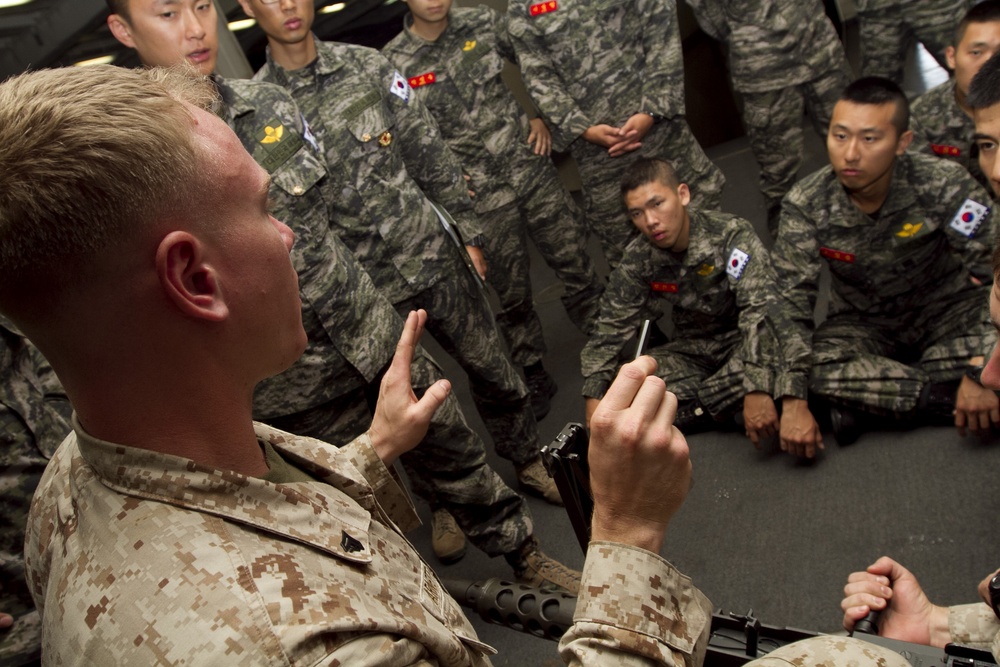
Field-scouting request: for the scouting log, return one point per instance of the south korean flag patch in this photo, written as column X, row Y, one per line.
column 400, row 88
column 968, row 219
column 737, row 262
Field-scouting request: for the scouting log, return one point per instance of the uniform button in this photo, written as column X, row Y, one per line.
column 298, row 189
column 366, row 137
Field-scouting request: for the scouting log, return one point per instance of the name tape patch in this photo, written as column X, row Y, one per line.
column 837, row 255
column 670, row 288
column 543, row 8
column 422, row 79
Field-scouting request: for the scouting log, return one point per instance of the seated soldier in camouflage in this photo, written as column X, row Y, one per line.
column 715, row 271
column 984, row 100
column 34, row 419
column 941, row 117
column 907, row 238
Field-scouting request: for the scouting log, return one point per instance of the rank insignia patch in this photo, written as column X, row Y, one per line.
column 469, row 45
column 657, row 286
column 945, row 150
column 275, row 145
column 909, row 230
column 399, row 87
column 543, row 8
column 705, row 270
column 422, row 80
column 272, row 134
column 969, row 217
column 837, row 255
column 737, row 262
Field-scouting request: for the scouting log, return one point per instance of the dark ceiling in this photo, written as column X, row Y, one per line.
column 51, row 33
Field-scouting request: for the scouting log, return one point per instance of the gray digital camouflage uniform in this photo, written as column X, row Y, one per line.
column 723, row 342
column 458, row 78
column 941, row 128
column 590, row 62
column 383, row 152
column 889, row 28
column 34, row 419
column 352, row 332
column 903, row 308
column 784, row 56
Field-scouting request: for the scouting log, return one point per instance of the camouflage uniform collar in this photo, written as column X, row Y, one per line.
column 233, row 103
column 410, row 42
column 327, row 514
column 701, row 241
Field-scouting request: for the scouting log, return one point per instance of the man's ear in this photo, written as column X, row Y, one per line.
column 949, row 57
column 247, row 8
column 684, row 193
column 188, row 280
column 120, row 29
column 905, row 139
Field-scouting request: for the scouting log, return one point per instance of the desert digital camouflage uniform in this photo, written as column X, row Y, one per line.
column 784, row 55
column 352, row 332
column 458, row 78
column 889, row 28
column 723, row 337
column 590, row 62
column 941, row 128
column 183, row 563
column 383, row 151
column 903, row 308
column 34, row 419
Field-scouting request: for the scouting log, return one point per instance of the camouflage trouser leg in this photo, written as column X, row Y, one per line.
column 448, row 469
column 706, row 369
column 774, row 126
column 601, row 176
column 459, row 319
column 855, row 358
column 887, row 35
column 558, row 228
column 509, row 274
column 21, row 467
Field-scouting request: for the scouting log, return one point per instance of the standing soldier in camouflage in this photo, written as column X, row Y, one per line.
column 713, row 268
column 942, row 120
column 453, row 58
column 385, row 156
column 890, row 28
column 608, row 78
column 984, row 99
column 907, row 239
column 34, row 419
column 352, row 329
column 784, row 55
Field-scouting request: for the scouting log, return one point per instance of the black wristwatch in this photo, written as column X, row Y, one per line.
column 994, row 589
column 975, row 373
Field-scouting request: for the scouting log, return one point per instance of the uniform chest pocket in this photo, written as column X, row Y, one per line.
column 372, row 126
column 299, row 173
column 481, row 62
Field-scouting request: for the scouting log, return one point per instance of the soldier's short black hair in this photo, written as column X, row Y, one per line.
column 984, row 90
column 878, row 90
column 648, row 170
column 986, row 11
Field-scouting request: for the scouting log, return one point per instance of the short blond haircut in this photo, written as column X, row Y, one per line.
column 89, row 156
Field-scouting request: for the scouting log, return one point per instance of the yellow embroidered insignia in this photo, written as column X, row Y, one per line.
column 471, row 44
column 273, row 134
column 705, row 270
column 909, row 229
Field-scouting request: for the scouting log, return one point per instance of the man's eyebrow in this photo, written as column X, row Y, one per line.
column 979, row 135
